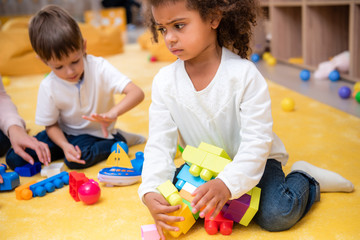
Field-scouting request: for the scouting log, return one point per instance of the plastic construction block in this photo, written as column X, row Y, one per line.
column 119, row 158
column 23, row 192
column 207, row 161
column 149, row 232
column 169, row 191
column 218, row 223
column 253, row 208
column 29, row 170
column 11, row 179
column 185, row 176
column 39, row 189
column 235, row 209
column 185, row 225
column 52, row 169
column 196, row 215
column 75, row 181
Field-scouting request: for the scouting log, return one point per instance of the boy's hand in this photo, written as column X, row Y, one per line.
column 104, row 119
column 159, row 208
column 212, row 194
column 73, row 154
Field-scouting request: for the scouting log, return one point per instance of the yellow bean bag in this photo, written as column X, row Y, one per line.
column 18, row 58
column 157, row 50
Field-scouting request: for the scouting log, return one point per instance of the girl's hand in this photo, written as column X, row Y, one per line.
column 73, row 154
column 212, row 194
column 159, row 208
column 105, row 119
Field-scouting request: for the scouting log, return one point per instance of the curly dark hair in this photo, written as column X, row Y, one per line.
column 235, row 29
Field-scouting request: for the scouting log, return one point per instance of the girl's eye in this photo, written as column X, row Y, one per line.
column 58, row 68
column 179, row 25
column 161, row 30
column 75, row 62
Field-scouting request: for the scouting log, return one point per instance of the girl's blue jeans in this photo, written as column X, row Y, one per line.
column 284, row 200
column 93, row 150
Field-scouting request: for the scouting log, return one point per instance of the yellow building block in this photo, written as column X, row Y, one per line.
column 119, row 158
column 204, row 162
column 170, row 192
column 185, row 225
column 23, row 192
column 214, row 150
column 253, row 208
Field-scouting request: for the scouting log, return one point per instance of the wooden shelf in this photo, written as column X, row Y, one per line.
column 314, row 30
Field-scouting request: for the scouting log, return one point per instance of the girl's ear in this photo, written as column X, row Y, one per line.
column 216, row 19
column 84, row 46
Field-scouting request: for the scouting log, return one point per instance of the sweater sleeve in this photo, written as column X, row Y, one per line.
column 248, row 165
column 8, row 112
column 160, row 148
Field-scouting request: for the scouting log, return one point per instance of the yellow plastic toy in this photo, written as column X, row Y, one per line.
column 170, row 192
column 253, row 208
column 185, row 225
column 206, row 161
column 288, row 104
column 119, row 158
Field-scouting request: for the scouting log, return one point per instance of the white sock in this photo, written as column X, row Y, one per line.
column 329, row 181
column 132, row 138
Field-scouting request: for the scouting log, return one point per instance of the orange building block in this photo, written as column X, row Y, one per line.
column 185, row 225
column 23, row 192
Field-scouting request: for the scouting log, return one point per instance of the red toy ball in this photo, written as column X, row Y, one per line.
column 89, row 192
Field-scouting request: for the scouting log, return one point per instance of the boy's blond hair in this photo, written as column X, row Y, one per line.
column 54, row 33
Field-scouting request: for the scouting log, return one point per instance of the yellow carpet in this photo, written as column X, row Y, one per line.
column 315, row 132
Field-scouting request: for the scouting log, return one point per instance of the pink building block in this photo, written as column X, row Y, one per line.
column 149, row 232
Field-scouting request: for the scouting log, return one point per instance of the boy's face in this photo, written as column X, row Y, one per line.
column 185, row 33
column 69, row 68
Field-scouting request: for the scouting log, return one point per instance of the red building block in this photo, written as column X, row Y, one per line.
column 219, row 222
column 75, row 181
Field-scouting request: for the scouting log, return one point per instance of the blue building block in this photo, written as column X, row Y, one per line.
column 39, row 189
column 29, row 170
column 11, row 179
column 185, row 176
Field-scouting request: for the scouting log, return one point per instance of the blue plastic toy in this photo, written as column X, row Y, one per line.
column 120, row 176
column 185, row 176
column 344, row 92
column 122, row 144
column 39, row 189
column 28, row 170
column 11, row 179
column 255, row 57
column 334, row 76
column 305, row 75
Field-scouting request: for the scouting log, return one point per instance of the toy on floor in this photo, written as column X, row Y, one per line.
column 219, row 223
column 344, row 92
column 119, row 176
column 23, row 192
column 118, row 157
column 334, row 76
column 52, row 169
column 340, row 62
column 89, row 192
column 357, row 97
column 255, row 57
column 149, row 232
column 170, row 193
column 305, row 75
column 206, row 161
column 288, row 104
column 243, row 209
column 184, row 226
column 28, row 170
column 75, row 181
column 39, row 189
column 5, row 80
column 11, row 179
column 122, row 144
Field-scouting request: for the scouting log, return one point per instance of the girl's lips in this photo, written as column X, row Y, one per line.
column 175, row 51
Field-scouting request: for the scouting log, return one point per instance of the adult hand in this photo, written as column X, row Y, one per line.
column 20, row 140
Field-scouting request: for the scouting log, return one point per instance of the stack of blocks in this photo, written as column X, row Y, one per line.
column 203, row 164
